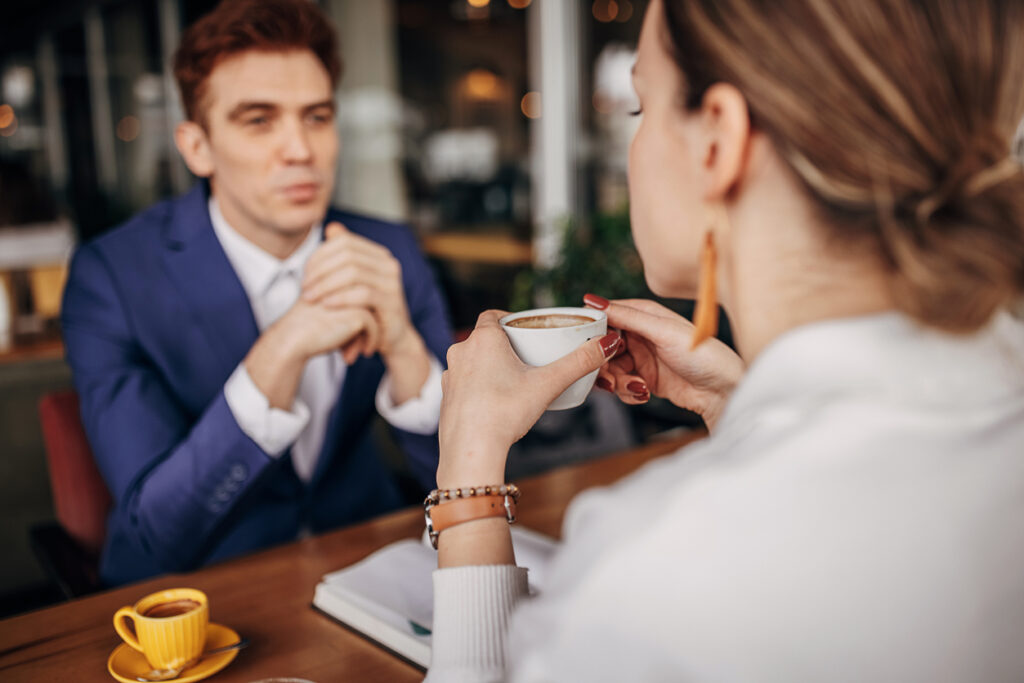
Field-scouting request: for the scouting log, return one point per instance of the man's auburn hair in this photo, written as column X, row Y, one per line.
column 237, row 26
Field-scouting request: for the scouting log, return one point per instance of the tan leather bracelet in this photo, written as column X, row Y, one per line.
column 448, row 514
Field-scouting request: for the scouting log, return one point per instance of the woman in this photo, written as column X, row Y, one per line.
column 858, row 510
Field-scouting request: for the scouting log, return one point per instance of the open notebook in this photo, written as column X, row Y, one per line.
column 388, row 597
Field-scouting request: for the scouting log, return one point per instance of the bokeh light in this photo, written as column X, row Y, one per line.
column 128, row 128
column 6, row 115
column 482, row 84
column 530, row 105
column 519, row 4
column 625, row 11
column 479, row 3
column 605, row 11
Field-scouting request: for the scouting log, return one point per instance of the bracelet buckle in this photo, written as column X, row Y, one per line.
column 509, row 501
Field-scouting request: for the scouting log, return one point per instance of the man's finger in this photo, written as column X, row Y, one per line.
column 373, row 330
column 356, row 295
column 331, row 257
column 352, row 350
column 350, row 276
column 335, row 229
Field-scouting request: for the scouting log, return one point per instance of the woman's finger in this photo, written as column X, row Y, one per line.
column 589, row 356
column 628, row 386
column 635, row 388
column 647, row 318
column 650, row 307
column 490, row 318
column 623, row 362
column 657, row 328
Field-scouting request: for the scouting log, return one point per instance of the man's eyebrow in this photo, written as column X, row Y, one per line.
column 243, row 108
column 318, row 105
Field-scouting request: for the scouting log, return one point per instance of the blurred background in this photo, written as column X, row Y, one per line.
column 497, row 129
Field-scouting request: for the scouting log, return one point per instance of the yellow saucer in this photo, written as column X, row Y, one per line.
column 125, row 663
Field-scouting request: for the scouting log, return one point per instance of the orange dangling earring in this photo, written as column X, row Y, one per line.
column 705, row 314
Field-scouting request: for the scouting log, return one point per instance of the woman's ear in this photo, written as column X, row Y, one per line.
column 726, row 132
column 194, row 146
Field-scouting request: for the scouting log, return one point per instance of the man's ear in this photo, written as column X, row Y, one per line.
column 194, row 146
column 726, row 134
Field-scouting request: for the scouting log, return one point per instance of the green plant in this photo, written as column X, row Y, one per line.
column 596, row 256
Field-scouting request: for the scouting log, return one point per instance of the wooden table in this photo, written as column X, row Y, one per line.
column 48, row 349
column 479, row 248
column 266, row 597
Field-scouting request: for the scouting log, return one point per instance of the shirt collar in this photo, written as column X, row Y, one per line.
column 883, row 357
column 256, row 268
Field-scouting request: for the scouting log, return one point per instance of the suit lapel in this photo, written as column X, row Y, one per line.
column 200, row 270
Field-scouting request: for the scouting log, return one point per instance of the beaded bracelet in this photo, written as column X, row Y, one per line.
column 472, row 497
column 438, row 495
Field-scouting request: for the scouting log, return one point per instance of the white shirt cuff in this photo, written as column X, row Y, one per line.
column 420, row 414
column 272, row 429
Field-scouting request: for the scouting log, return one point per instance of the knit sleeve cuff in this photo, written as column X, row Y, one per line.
column 472, row 606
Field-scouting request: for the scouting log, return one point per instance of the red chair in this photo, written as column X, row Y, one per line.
column 69, row 549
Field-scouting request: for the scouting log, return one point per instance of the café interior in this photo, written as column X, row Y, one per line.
column 496, row 129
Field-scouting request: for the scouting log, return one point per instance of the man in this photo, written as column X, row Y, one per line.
column 227, row 348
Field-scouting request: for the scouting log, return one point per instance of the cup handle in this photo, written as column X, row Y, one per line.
column 120, row 617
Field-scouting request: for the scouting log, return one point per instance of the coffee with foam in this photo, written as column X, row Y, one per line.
column 551, row 320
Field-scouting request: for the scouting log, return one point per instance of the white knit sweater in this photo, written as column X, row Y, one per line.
column 858, row 515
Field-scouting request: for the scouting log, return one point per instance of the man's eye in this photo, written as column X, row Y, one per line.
column 257, row 121
column 320, row 118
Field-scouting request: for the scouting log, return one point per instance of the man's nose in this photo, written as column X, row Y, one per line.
column 295, row 145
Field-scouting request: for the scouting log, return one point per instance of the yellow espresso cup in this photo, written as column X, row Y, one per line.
column 169, row 626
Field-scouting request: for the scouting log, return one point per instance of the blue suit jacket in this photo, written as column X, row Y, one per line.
column 155, row 321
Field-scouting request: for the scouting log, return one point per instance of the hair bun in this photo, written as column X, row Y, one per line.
column 985, row 164
column 960, row 256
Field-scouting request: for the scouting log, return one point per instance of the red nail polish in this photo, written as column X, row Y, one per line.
column 643, row 398
column 602, row 383
column 637, row 387
column 609, row 343
column 595, row 301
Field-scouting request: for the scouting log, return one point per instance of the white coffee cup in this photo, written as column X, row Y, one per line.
column 542, row 345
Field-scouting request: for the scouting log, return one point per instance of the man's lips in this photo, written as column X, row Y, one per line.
column 301, row 192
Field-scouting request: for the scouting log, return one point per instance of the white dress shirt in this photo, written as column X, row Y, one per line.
column 273, row 286
column 858, row 515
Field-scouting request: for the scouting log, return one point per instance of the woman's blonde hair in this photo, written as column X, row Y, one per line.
column 898, row 116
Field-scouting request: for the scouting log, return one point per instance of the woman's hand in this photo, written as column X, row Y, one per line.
column 656, row 358
column 491, row 399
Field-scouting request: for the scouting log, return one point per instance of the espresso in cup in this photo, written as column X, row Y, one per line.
column 168, row 627
column 542, row 322
column 171, row 609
